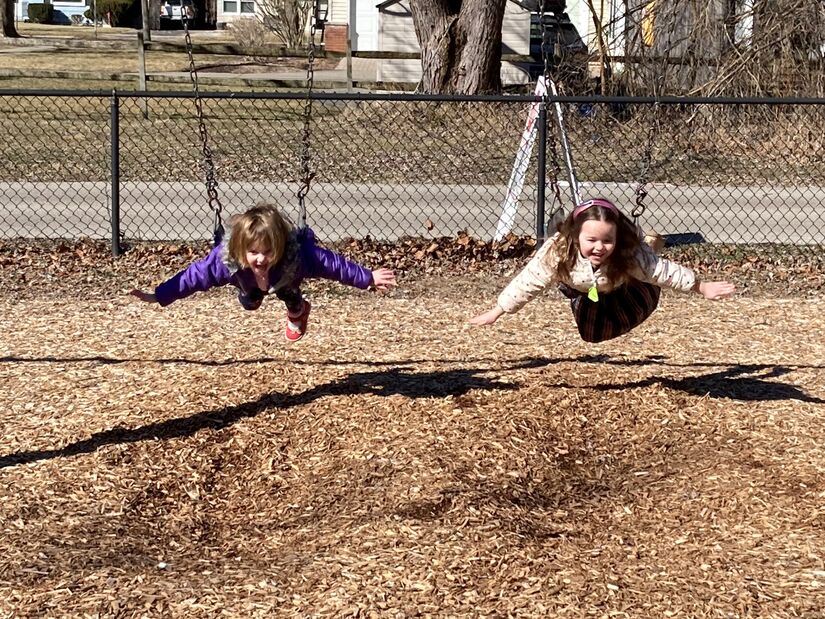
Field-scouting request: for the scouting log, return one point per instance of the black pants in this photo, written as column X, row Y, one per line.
column 292, row 298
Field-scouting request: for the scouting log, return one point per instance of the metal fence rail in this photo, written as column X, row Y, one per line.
column 127, row 165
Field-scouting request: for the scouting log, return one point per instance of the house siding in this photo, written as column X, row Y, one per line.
column 366, row 26
column 338, row 12
column 515, row 30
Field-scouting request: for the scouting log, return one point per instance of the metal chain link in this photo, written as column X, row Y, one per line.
column 306, row 154
column 207, row 164
column 641, row 188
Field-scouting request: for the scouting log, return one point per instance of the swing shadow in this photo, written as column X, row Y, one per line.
column 514, row 364
column 729, row 383
column 101, row 360
column 436, row 384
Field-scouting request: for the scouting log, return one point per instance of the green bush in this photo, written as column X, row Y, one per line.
column 41, row 13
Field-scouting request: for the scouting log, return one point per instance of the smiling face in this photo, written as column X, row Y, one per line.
column 259, row 258
column 597, row 240
column 258, row 238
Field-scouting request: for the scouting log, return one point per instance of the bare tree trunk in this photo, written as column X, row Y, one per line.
column 9, row 29
column 460, row 44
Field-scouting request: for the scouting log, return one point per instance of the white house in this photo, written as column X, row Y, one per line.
column 364, row 18
column 388, row 26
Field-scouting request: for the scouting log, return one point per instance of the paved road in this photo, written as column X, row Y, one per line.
column 161, row 211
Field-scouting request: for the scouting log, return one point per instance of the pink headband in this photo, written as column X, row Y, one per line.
column 581, row 208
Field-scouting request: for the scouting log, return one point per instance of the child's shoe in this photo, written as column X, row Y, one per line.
column 296, row 325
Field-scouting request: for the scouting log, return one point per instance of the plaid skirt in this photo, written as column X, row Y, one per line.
column 615, row 313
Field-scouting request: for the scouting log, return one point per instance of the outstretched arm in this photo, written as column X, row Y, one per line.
column 663, row 272
column 533, row 278
column 197, row 277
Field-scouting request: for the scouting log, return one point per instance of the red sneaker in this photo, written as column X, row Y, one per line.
column 296, row 325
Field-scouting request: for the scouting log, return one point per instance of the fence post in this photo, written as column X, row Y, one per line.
column 349, row 59
column 144, row 106
column 541, row 162
column 115, row 123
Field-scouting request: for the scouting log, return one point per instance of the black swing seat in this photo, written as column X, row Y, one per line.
column 615, row 313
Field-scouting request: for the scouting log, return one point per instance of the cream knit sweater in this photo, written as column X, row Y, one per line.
column 541, row 272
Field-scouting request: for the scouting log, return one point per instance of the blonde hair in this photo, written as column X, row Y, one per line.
column 263, row 224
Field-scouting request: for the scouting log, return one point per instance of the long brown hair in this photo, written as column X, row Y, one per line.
column 619, row 263
column 262, row 224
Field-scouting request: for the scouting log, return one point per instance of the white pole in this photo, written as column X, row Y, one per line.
column 520, row 165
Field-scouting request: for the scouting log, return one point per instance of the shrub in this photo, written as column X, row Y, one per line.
column 250, row 34
column 41, row 13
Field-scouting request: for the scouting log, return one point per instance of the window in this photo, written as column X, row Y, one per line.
column 247, row 7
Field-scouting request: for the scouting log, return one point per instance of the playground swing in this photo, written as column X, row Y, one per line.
column 597, row 319
column 551, row 89
column 207, row 162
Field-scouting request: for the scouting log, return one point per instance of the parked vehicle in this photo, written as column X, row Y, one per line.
column 566, row 49
column 174, row 10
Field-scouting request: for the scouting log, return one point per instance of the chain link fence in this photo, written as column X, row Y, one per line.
column 128, row 166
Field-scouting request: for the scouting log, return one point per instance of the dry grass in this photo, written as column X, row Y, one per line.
column 73, row 32
column 84, row 65
column 104, row 61
column 186, row 462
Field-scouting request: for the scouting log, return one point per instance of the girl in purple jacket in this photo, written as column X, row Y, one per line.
column 263, row 254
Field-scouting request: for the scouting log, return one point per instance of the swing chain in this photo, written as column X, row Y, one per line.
column 207, row 164
column 306, row 154
column 639, row 209
column 641, row 189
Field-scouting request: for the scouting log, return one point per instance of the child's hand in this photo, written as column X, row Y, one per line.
column 383, row 278
column 714, row 291
column 146, row 297
column 488, row 317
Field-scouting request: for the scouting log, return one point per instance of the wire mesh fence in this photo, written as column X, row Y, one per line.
column 128, row 166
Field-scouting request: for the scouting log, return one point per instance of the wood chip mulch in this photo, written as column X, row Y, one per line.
column 188, row 462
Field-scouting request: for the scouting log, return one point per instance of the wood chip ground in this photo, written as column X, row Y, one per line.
column 188, row 462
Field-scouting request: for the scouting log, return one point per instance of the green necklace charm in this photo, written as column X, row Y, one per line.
column 593, row 294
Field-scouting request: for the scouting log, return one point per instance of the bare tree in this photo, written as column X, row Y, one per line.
column 460, row 44
column 286, row 18
column 9, row 29
column 715, row 47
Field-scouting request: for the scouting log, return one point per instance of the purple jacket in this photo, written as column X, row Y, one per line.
column 302, row 259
